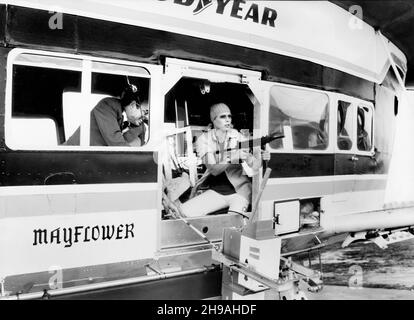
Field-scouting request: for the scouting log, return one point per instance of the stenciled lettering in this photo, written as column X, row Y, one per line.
column 106, row 234
column 87, row 239
column 82, row 234
column 253, row 13
column 129, row 230
column 221, row 4
column 269, row 17
column 77, row 232
column 67, row 237
column 239, row 9
column 55, row 235
column 236, row 8
column 118, row 231
column 40, row 236
column 95, row 233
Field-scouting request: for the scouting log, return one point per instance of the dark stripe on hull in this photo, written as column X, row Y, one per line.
column 363, row 165
column 3, row 59
column 291, row 165
column 193, row 287
column 29, row 27
column 2, row 24
column 40, row 168
column 57, row 168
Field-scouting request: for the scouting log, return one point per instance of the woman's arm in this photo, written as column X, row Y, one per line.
column 207, row 154
column 214, row 168
column 234, row 157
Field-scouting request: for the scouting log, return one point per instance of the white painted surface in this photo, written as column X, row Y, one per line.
column 263, row 256
column 287, row 214
column 20, row 255
column 400, row 187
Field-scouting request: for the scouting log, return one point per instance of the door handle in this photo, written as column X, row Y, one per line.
column 354, row 158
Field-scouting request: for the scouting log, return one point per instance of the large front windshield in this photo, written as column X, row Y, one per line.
column 303, row 117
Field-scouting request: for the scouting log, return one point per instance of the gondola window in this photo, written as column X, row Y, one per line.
column 344, row 125
column 303, row 117
column 52, row 97
column 364, row 128
column 37, row 113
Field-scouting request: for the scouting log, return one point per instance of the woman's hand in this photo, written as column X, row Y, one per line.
column 238, row 155
column 266, row 155
column 255, row 160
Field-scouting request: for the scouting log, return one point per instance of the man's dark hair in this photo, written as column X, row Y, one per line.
column 129, row 94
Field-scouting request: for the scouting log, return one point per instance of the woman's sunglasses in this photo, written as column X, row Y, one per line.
column 224, row 116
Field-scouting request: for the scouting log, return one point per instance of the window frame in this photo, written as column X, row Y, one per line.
column 351, row 136
column 86, row 75
column 372, row 111
column 355, row 103
column 290, row 148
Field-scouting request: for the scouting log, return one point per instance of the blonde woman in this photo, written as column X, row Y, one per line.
column 230, row 185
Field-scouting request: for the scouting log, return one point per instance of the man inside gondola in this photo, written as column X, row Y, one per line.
column 107, row 125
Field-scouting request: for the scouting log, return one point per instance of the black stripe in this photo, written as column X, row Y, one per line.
column 190, row 287
column 3, row 15
column 290, row 165
column 29, row 27
column 360, row 165
column 372, row 165
column 46, row 168
column 344, row 164
column 3, row 59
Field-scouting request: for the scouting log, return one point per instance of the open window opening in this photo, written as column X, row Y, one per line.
column 56, row 99
column 37, row 105
column 100, row 119
column 186, row 118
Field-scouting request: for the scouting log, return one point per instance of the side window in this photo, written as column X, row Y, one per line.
column 98, row 119
column 344, row 125
column 303, row 117
column 112, row 85
column 36, row 115
column 364, row 128
column 64, row 101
